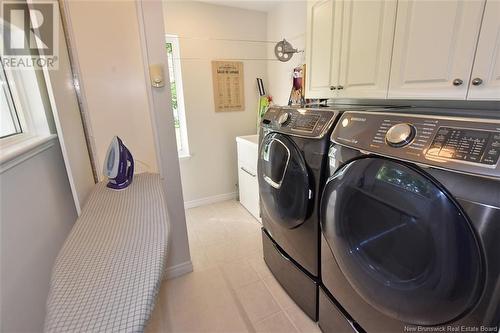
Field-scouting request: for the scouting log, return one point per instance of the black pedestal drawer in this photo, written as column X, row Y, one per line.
column 300, row 287
column 331, row 320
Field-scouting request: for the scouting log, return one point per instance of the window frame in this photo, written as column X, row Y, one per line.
column 181, row 110
column 26, row 94
column 13, row 109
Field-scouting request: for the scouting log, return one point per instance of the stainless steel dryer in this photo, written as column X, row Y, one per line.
column 410, row 220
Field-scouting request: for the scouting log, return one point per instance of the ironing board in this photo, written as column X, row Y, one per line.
column 108, row 273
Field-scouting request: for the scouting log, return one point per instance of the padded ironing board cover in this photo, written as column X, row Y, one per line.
column 108, row 273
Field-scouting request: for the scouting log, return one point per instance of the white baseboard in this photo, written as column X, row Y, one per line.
column 178, row 270
column 210, row 200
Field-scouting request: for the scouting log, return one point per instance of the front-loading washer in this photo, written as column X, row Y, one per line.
column 410, row 222
column 291, row 170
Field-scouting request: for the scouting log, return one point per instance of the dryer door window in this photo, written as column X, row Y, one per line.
column 283, row 181
column 401, row 241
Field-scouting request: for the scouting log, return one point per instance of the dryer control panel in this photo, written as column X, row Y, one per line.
column 311, row 123
column 466, row 145
column 454, row 143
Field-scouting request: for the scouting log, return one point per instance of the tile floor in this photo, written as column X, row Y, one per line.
column 231, row 289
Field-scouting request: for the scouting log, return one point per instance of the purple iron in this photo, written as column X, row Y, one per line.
column 119, row 165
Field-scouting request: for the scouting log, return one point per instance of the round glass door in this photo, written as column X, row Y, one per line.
column 401, row 241
column 283, row 181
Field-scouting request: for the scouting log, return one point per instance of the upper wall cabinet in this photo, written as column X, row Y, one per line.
column 323, row 37
column 349, row 46
column 366, row 46
column 485, row 79
column 409, row 49
column 434, row 48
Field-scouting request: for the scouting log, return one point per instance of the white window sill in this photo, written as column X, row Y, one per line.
column 185, row 157
column 18, row 148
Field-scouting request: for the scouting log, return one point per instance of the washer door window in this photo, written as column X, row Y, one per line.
column 401, row 241
column 283, row 181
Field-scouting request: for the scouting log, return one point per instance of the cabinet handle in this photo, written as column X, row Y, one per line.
column 477, row 81
column 457, row 82
column 333, row 87
column 340, row 87
column 245, row 170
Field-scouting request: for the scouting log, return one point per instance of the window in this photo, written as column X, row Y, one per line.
column 174, row 71
column 25, row 110
column 9, row 121
column 25, row 105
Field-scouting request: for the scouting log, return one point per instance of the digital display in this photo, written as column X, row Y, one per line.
column 466, row 145
column 306, row 123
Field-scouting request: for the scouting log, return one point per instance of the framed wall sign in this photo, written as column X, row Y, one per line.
column 229, row 92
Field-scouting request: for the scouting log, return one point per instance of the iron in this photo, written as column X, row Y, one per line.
column 119, row 165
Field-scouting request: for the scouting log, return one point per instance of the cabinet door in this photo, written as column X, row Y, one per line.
column 487, row 62
column 366, row 47
column 249, row 190
column 322, row 47
column 434, row 47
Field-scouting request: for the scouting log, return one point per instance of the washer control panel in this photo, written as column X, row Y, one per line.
column 313, row 123
column 459, row 144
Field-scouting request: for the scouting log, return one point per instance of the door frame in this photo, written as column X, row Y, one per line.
column 152, row 35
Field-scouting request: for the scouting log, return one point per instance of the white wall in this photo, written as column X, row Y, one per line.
column 286, row 20
column 212, row 168
column 105, row 36
column 36, row 214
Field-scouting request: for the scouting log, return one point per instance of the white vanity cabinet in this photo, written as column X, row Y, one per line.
column 247, row 173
